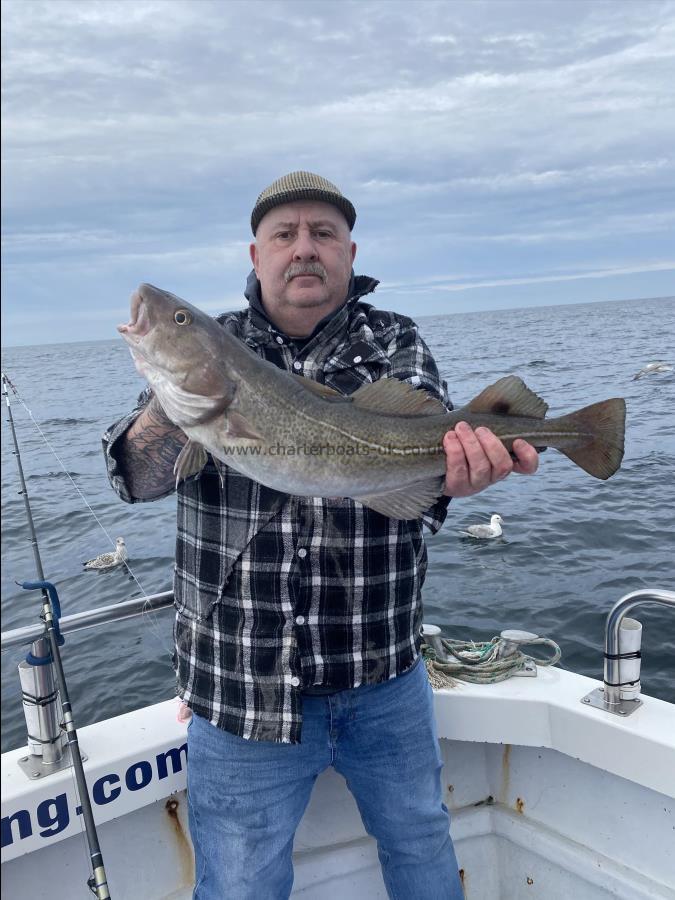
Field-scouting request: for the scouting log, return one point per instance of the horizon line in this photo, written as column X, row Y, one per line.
column 462, row 312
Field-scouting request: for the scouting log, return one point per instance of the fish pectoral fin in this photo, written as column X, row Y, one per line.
column 408, row 503
column 239, row 427
column 393, row 397
column 509, row 396
column 190, row 460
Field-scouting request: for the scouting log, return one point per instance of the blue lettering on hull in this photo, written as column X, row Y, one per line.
column 52, row 816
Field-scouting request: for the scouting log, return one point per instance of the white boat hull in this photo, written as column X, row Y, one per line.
column 549, row 798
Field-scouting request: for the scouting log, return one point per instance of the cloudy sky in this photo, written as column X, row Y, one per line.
column 500, row 153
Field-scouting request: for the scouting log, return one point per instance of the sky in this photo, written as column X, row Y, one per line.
column 499, row 153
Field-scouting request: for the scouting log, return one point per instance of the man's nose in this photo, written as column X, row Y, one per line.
column 304, row 247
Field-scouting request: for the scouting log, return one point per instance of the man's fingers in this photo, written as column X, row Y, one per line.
column 478, row 464
column 500, row 458
column 527, row 458
column 478, row 461
column 455, row 458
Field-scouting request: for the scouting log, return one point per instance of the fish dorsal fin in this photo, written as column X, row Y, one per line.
column 398, row 398
column 408, row 503
column 509, row 396
column 321, row 390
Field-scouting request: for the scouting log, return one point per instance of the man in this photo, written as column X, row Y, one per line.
column 298, row 619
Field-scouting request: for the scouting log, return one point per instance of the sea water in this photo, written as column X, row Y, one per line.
column 572, row 545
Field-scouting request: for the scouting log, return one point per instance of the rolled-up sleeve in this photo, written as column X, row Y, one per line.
column 111, row 441
column 412, row 361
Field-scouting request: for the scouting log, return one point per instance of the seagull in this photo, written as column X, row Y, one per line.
column 109, row 560
column 493, row 530
column 652, row 368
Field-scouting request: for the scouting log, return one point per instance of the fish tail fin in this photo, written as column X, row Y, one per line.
column 604, row 424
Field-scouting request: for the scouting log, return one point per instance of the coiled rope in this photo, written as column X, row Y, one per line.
column 480, row 662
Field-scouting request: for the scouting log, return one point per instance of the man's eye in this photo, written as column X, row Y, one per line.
column 284, row 235
column 323, row 234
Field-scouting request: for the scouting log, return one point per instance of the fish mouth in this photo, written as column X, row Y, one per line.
column 139, row 324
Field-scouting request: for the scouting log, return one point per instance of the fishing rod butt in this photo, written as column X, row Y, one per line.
column 98, row 883
column 45, row 691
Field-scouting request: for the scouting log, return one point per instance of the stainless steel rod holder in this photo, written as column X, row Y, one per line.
column 42, row 707
column 608, row 697
column 612, row 669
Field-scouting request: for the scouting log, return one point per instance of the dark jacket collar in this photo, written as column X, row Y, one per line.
column 359, row 286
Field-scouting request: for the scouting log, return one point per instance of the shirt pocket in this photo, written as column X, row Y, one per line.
column 356, row 364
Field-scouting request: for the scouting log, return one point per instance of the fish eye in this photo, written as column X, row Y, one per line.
column 182, row 317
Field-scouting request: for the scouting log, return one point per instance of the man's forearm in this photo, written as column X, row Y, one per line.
column 148, row 453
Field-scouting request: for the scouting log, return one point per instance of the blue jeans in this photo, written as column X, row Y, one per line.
column 246, row 798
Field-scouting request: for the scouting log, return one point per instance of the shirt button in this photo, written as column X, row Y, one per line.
column 297, row 366
column 357, row 359
column 300, row 620
column 280, row 340
column 302, row 553
column 295, row 681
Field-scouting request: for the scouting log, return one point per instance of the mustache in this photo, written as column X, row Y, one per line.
column 309, row 268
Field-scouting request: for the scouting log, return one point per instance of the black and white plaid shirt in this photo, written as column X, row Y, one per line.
column 276, row 593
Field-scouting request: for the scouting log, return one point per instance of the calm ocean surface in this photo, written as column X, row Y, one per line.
column 572, row 545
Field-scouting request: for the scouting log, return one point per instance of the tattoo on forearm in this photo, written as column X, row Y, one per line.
column 149, row 452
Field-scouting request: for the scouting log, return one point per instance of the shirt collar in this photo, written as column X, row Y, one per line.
column 359, row 285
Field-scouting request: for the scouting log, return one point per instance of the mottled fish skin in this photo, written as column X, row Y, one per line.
column 382, row 445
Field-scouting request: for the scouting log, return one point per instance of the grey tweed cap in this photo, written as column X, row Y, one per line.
column 301, row 186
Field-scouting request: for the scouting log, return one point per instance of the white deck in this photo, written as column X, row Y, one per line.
column 549, row 798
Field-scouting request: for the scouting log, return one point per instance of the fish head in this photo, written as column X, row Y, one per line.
column 180, row 350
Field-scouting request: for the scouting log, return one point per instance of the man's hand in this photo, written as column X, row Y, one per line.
column 476, row 459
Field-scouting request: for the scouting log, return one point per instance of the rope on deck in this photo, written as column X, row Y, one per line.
column 480, row 661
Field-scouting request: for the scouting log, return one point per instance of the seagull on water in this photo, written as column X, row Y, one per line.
column 653, row 368
column 493, row 530
column 109, row 560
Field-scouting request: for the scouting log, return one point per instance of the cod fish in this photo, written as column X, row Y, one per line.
column 381, row 446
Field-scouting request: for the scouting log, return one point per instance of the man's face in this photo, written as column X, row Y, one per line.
column 303, row 257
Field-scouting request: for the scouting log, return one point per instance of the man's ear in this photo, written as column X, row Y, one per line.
column 253, row 251
column 353, row 251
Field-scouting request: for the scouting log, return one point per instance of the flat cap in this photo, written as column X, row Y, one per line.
column 301, row 186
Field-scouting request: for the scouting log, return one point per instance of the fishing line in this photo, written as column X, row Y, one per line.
column 166, row 647
column 72, row 480
column 46, row 651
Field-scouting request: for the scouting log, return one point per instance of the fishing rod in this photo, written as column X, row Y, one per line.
column 51, row 610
